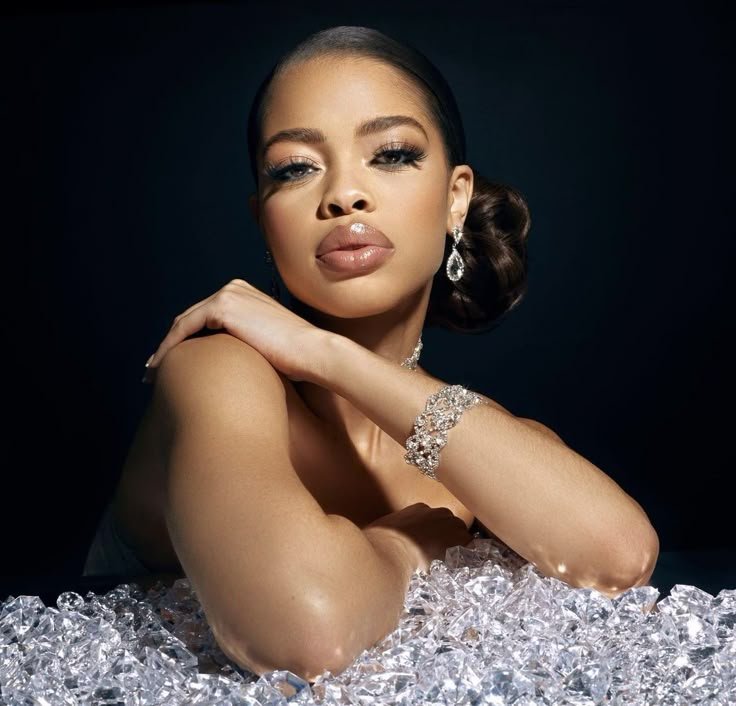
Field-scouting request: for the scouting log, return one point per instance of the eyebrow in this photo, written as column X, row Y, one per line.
column 310, row 135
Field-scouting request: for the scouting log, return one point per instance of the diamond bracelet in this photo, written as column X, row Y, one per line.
column 443, row 411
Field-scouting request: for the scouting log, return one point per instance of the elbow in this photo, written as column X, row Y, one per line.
column 619, row 568
column 304, row 642
column 636, row 566
column 647, row 558
column 322, row 652
column 306, row 661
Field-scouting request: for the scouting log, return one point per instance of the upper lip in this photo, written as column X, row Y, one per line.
column 351, row 236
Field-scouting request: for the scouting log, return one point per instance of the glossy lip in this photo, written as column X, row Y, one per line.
column 362, row 260
column 344, row 237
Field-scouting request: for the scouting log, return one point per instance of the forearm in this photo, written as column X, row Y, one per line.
column 544, row 500
column 334, row 601
column 370, row 578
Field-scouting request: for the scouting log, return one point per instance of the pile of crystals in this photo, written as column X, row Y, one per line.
column 483, row 627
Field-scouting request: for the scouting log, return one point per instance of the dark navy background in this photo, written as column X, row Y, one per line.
column 126, row 181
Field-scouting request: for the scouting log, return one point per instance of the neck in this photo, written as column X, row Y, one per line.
column 391, row 334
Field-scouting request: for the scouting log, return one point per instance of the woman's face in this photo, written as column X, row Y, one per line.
column 395, row 179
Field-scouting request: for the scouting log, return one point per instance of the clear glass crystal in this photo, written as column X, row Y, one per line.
column 455, row 266
column 482, row 627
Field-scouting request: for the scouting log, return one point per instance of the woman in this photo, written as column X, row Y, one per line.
column 283, row 464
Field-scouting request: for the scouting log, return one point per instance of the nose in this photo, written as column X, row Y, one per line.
column 345, row 194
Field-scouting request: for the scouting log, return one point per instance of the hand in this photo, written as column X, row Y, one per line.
column 277, row 333
column 426, row 532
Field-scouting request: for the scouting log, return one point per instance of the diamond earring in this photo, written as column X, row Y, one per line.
column 275, row 291
column 455, row 265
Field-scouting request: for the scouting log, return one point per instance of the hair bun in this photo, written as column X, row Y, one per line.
column 494, row 250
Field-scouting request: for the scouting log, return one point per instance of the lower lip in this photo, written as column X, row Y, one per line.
column 358, row 260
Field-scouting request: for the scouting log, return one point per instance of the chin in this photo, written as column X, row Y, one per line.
column 347, row 306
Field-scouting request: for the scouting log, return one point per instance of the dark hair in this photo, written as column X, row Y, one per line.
column 493, row 246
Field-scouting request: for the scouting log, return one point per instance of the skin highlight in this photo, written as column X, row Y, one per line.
column 345, row 179
column 513, row 474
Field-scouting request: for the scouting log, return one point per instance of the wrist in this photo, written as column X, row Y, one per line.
column 327, row 351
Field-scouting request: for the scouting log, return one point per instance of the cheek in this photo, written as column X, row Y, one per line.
column 287, row 232
column 422, row 211
column 280, row 222
column 290, row 236
column 422, row 200
column 414, row 210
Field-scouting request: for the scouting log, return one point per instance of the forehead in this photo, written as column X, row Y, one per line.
column 340, row 91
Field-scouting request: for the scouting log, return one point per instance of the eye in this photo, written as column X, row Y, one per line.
column 291, row 170
column 399, row 154
column 393, row 155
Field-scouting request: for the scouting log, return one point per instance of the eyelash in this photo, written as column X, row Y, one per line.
column 411, row 153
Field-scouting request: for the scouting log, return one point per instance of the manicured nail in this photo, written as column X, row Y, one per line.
column 148, row 362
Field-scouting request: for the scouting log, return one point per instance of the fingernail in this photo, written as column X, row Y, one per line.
column 148, row 362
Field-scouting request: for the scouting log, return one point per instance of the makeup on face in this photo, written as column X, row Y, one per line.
column 364, row 159
column 363, row 260
column 358, row 247
column 392, row 156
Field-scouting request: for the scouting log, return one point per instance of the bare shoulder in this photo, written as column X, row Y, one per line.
column 219, row 371
column 216, row 349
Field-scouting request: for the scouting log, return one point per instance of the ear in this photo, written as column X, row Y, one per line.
column 255, row 208
column 460, row 191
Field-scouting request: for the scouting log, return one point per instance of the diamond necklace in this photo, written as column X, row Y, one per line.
column 411, row 361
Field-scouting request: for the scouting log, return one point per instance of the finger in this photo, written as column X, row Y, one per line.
column 237, row 284
column 190, row 321
column 149, row 376
column 185, row 325
column 195, row 306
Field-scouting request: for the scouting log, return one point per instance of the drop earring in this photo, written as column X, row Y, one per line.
column 455, row 265
column 275, row 291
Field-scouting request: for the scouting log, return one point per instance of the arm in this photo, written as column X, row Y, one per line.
column 278, row 579
column 540, row 497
